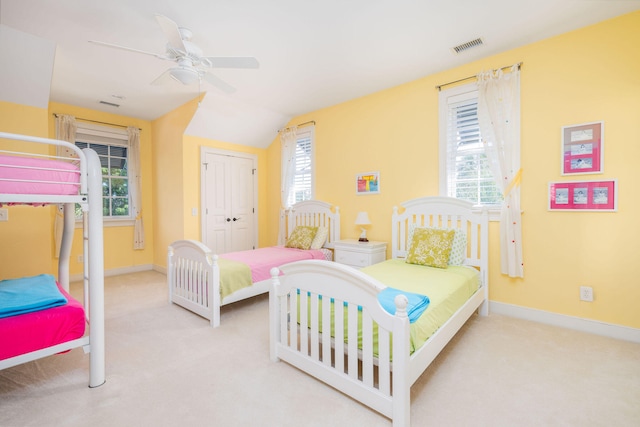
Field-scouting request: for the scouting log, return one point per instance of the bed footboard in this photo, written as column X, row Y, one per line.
column 193, row 277
column 358, row 364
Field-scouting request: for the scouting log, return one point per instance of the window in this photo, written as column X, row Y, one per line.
column 111, row 145
column 464, row 167
column 303, row 178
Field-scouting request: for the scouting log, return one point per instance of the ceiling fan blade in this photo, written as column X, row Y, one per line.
column 161, row 56
column 219, row 83
column 233, row 62
column 172, row 32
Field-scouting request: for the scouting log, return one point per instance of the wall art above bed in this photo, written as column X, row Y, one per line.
column 368, row 183
column 583, row 148
column 598, row 196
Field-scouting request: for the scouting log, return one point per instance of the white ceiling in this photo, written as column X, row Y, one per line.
column 312, row 54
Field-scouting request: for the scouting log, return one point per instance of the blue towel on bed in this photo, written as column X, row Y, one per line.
column 417, row 303
column 386, row 297
column 19, row 296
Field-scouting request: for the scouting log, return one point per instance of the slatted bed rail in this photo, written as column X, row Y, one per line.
column 365, row 370
column 191, row 272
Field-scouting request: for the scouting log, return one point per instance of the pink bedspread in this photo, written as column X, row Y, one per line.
column 28, row 175
column 262, row 260
column 34, row 331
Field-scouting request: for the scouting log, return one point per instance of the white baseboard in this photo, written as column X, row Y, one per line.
column 116, row 271
column 160, row 269
column 576, row 323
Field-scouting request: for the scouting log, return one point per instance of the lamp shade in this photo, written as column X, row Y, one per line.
column 362, row 219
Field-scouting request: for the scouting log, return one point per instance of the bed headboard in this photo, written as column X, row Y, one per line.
column 315, row 213
column 445, row 212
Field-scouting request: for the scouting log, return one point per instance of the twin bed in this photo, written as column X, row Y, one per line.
column 38, row 316
column 389, row 338
column 202, row 282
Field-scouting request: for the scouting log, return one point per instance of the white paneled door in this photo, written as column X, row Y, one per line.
column 228, row 201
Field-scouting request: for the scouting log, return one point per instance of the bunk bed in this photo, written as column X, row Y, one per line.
column 194, row 271
column 381, row 302
column 27, row 177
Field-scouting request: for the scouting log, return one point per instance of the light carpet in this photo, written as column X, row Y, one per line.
column 168, row 367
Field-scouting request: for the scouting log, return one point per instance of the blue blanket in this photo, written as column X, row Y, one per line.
column 417, row 303
column 386, row 297
column 19, row 296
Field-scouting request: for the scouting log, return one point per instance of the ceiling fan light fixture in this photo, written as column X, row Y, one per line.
column 185, row 75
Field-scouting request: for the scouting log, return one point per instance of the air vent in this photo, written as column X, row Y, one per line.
column 111, row 104
column 468, row 45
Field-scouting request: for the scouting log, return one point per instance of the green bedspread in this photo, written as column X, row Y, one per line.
column 447, row 288
column 234, row 275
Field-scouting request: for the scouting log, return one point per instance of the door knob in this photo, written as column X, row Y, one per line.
column 236, row 219
column 228, row 219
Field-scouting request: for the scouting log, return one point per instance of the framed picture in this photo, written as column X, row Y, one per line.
column 368, row 183
column 598, row 196
column 583, row 148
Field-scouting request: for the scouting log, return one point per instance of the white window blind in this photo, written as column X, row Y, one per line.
column 302, row 188
column 465, row 172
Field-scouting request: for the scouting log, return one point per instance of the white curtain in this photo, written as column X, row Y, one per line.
column 499, row 118
column 135, row 186
column 288, row 141
column 66, row 131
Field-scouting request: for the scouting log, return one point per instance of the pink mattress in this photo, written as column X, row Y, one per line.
column 34, row 331
column 27, row 175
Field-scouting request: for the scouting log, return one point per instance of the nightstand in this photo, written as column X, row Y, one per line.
column 359, row 254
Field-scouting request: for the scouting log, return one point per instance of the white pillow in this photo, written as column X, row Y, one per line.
column 320, row 238
column 458, row 247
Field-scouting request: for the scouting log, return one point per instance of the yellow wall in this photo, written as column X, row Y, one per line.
column 587, row 75
column 170, row 210
column 26, row 245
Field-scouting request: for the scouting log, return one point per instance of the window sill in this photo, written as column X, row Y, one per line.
column 494, row 213
column 125, row 222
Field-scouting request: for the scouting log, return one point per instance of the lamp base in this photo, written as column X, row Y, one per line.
column 363, row 239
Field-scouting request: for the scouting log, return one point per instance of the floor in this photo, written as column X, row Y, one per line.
column 168, row 367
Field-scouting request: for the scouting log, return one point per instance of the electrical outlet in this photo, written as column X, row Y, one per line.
column 586, row 293
column 4, row 214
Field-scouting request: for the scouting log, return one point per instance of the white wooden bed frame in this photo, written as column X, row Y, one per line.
column 89, row 197
column 193, row 273
column 382, row 384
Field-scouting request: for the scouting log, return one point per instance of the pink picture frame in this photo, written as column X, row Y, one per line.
column 594, row 196
column 583, row 148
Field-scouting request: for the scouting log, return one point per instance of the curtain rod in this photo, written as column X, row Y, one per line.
column 439, row 87
column 310, row 122
column 96, row 121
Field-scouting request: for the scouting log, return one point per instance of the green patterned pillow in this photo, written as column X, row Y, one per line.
column 301, row 237
column 430, row 247
column 458, row 247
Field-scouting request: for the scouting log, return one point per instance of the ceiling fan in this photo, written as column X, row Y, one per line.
column 191, row 67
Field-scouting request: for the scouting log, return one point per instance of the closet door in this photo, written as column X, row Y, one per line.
column 228, row 202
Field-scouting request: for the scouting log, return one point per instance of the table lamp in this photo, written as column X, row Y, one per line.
column 363, row 219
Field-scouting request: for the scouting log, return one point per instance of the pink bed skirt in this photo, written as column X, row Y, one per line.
column 34, row 331
column 26, row 175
